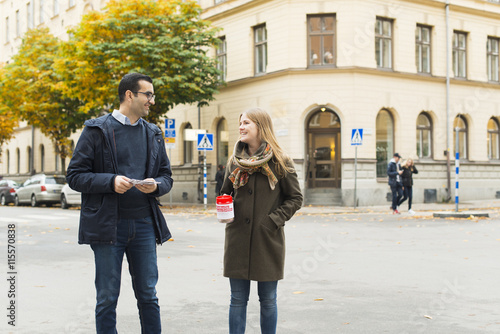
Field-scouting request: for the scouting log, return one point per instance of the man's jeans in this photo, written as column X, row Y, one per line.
column 240, row 290
column 397, row 193
column 136, row 238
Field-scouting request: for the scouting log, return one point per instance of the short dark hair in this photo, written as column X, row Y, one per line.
column 131, row 82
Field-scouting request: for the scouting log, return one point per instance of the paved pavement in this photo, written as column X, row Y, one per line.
column 347, row 271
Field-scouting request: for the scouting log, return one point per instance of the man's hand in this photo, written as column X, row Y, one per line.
column 147, row 188
column 122, row 184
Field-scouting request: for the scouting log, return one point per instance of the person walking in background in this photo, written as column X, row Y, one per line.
column 120, row 166
column 394, row 172
column 219, row 179
column 266, row 193
column 408, row 170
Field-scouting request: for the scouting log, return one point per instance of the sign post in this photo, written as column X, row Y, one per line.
column 170, row 142
column 356, row 140
column 205, row 143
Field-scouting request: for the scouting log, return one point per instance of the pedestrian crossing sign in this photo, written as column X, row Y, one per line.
column 357, row 137
column 205, row 142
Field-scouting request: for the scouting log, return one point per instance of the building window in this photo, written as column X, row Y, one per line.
column 8, row 162
column 72, row 3
column 321, row 39
column 260, row 40
column 222, row 142
column 42, row 158
column 42, row 6
column 219, row 1
column 7, row 29
column 56, row 7
column 18, row 24
column 423, row 49
column 29, row 165
column 460, row 127
column 384, row 141
column 460, row 54
column 18, row 161
column 30, row 18
column 424, row 136
column 383, row 43
column 222, row 58
column 493, row 139
column 492, row 58
column 188, row 147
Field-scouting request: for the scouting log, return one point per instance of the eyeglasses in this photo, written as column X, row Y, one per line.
column 149, row 95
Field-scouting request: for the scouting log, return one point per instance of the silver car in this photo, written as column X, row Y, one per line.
column 40, row 189
column 70, row 197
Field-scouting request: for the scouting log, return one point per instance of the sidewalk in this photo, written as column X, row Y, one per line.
column 427, row 208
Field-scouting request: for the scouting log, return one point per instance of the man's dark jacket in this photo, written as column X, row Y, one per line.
column 92, row 171
column 392, row 172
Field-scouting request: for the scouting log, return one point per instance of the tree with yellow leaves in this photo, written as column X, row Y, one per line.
column 166, row 40
column 31, row 90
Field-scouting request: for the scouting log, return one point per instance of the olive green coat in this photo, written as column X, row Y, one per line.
column 255, row 242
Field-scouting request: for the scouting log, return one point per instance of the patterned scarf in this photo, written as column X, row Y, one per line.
column 246, row 165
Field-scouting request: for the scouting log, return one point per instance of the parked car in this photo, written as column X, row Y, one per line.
column 7, row 191
column 70, row 197
column 40, row 189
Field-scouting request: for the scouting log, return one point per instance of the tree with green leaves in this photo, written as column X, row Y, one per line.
column 166, row 40
column 32, row 90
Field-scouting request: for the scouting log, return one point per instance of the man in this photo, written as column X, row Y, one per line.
column 394, row 171
column 119, row 215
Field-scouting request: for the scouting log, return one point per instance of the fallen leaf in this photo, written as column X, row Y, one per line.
column 189, row 230
column 427, row 316
column 171, row 239
column 298, row 292
column 191, row 246
column 318, row 299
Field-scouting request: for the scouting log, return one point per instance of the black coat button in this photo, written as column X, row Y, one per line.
column 250, row 191
column 248, row 221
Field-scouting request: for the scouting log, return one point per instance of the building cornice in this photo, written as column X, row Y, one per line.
column 358, row 70
column 214, row 13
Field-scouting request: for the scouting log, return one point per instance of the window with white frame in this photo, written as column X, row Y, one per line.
column 460, row 128
column 18, row 24
column 424, row 136
column 460, row 54
column 42, row 11
column 72, row 3
column 30, row 18
column 384, row 141
column 493, row 139
column 56, row 7
column 492, row 58
column 7, row 29
column 260, row 40
column 188, row 147
column 423, row 49
column 383, row 42
column 321, row 30
column 222, row 57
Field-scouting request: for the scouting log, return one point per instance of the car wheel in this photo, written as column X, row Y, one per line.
column 64, row 203
column 16, row 201
column 33, row 201
column 2, row 200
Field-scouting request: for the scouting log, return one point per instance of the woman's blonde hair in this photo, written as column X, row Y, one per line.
column 405, row 163
column 266, row 133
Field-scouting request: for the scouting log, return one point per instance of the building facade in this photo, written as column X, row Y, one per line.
column 324, row 68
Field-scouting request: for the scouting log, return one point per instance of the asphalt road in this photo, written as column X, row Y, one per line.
column 346, row 273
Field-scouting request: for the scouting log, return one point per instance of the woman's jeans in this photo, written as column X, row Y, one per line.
column 136, row 239
column 240, row 290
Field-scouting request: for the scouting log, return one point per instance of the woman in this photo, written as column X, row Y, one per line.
column 266, row 194
column 408, row 170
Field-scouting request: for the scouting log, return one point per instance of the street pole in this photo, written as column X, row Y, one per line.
column 448, row 167
column 205, row 179
column 170, row 156
column 355, row 173
column 457, row 166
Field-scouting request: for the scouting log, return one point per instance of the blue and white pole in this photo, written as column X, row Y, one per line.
column 457, row 165
column 205, row 179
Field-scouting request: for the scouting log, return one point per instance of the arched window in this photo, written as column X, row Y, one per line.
column 188, row 146
column 460, row 127
column 424, row 136
column 222, row 142
column 29, row 165
column 42, row 158
column 493, row 138
column 384, row 141
column 18, row 161
column 8, row 161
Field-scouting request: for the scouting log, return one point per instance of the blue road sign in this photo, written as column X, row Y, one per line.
column 357, row 137
column 170, row 128
column 205, row 142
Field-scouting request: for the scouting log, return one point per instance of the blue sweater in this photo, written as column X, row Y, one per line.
column 131, row 150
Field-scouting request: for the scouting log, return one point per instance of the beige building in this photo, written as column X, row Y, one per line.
column 324, row 68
